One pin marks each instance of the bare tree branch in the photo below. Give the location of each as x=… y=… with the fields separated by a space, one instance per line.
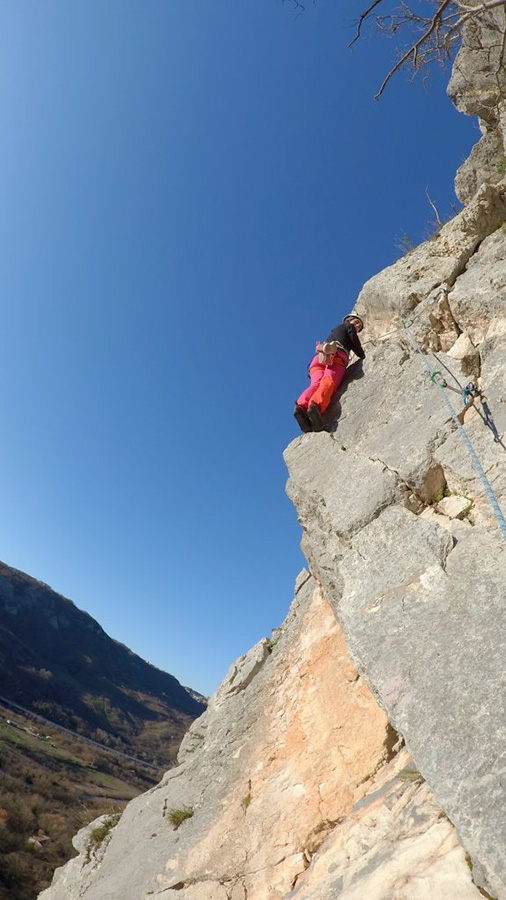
x=430 y=37
x=434 y=207
x=423 y=37
x=413 y=51
x=297 y=5
x=363 y=16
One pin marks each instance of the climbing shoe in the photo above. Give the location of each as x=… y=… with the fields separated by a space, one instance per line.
x=302 y=418
x=315 y=417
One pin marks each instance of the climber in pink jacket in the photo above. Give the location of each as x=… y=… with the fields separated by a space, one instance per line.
x=327 y=374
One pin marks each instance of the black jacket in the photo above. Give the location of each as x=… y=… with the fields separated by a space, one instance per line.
x=348 y=338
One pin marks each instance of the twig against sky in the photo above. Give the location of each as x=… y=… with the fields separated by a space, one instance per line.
x=434 y=207
x=363 y=17
x=297 y=5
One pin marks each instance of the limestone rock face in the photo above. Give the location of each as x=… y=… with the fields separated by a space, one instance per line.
x=396 y=843
x=478 y=87
x=416 y=572
x=422 y=278
x=337 y=756
x=292 y=755
x=478 y=82
x=485 y=163
x=263 y=796
x=417 y=579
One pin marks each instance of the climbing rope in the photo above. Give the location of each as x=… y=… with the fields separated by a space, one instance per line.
x=438 y=380
x=470 y=393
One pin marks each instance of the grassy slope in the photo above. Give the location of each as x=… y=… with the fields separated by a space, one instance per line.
x=57 y=662
x=49 y=788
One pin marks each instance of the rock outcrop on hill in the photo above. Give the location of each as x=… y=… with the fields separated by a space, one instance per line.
x=315 y=776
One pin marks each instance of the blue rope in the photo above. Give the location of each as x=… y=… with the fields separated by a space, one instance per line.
x=470 y=449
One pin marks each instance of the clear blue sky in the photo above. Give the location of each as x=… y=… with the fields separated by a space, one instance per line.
x=191 y=193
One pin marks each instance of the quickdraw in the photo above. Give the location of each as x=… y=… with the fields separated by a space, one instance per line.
x=469 y=393
x=440 y=382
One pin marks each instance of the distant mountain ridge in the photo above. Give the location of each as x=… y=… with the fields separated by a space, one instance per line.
x=57 y=661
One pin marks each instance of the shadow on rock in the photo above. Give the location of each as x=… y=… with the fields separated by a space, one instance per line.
x=333 y=414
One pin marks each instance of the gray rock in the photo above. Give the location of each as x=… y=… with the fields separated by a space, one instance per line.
x=380 y=855
x=484 y=165
x=299 y=757
x=478 y=297
x=416 y=281
x=423 y=619
x=478 y=82
x=455 y=507
x=424 y=609
x=243 y=670
x=145 y=855
x=421 y=598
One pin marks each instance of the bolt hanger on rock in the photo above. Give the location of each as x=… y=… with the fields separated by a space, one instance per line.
x=436 y=377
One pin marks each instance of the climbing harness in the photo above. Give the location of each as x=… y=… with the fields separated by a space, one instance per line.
x=440 y=383
x=328 y=353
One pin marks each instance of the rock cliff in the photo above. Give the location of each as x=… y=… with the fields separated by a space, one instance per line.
x=313 y=775
x=293 y=754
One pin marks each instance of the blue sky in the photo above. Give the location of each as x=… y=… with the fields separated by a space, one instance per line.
x=191 y=193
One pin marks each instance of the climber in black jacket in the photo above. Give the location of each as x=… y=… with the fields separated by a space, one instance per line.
x=326 y=371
